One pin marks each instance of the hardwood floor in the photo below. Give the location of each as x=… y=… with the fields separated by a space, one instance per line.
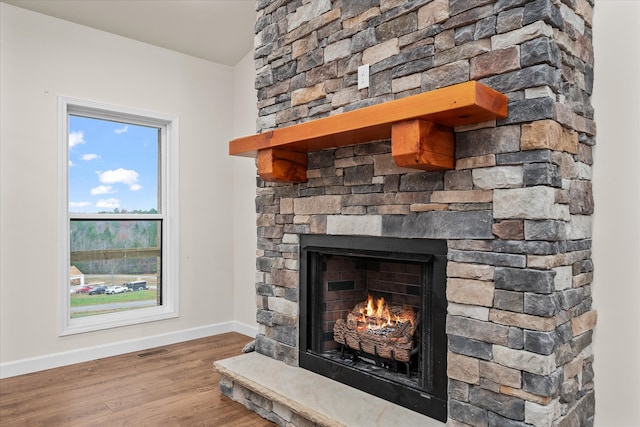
x=170 y=386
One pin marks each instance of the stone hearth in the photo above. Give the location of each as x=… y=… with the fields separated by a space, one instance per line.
x=282 y=393
x=515 y=212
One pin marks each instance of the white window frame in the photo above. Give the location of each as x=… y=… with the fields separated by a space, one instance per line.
x=167 y=211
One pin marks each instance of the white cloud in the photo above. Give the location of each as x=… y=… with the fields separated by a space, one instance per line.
x=135 y=187
x=121 y=130
x=108 y=203
x=123 y=176
x=102 y=189
x=76 y=138
x=92 y=156
x=79 y=204
x=71 y=163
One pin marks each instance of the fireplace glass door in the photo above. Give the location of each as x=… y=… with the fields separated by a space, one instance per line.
x=372 y=315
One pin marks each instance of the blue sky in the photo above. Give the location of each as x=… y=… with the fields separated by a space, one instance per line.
x=111 y=165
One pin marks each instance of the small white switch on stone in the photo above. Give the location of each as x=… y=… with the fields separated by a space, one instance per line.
x=363 y=76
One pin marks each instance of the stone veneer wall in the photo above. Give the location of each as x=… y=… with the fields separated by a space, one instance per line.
x=516 y=211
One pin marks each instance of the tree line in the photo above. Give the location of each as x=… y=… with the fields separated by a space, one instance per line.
x=105 y=235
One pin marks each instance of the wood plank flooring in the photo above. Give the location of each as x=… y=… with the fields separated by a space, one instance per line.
x=174 y=385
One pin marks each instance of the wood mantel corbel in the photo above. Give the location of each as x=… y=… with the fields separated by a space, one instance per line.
x=420 y=128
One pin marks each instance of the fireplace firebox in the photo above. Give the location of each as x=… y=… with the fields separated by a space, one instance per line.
x=372 y=315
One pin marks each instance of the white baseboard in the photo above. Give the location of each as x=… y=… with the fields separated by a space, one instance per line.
x=56 y=360
x=244 y=329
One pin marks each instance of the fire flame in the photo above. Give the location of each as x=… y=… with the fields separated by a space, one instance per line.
x=377 y=315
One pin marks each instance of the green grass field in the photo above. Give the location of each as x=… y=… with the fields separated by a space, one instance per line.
x=86 y=299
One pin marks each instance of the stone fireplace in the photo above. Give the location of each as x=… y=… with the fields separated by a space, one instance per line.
x=398 y=354
x=514 y=214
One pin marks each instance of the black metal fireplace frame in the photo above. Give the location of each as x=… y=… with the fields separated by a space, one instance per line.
x=432 y=254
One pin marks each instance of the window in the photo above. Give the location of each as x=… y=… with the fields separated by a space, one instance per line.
x=119 y=214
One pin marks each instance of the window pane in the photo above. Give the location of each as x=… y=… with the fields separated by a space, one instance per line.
x=121 y=201
x=113 y=166
x=115 y=266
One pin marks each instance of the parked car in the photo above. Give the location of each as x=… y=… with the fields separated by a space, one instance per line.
x=84 y=289
x=98 y=290
x=115 y=290
x=138 y=285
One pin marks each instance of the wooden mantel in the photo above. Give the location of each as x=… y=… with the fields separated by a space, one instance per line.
x=419 y=126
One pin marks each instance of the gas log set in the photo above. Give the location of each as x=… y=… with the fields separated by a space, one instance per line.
x=381 y=330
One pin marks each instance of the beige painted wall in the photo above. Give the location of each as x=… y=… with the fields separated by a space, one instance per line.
x=616 y=243
x=245 y=112
x=42 y=58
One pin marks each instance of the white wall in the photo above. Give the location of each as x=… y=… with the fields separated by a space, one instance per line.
x=245 y=112
x=43 y=57
x=616 y=243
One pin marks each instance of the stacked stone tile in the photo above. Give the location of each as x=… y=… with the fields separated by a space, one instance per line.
x=516 y=211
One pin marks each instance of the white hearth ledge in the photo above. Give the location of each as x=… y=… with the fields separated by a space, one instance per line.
x=317 y=398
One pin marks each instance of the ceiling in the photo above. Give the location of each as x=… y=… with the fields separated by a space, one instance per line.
x=217 y=30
